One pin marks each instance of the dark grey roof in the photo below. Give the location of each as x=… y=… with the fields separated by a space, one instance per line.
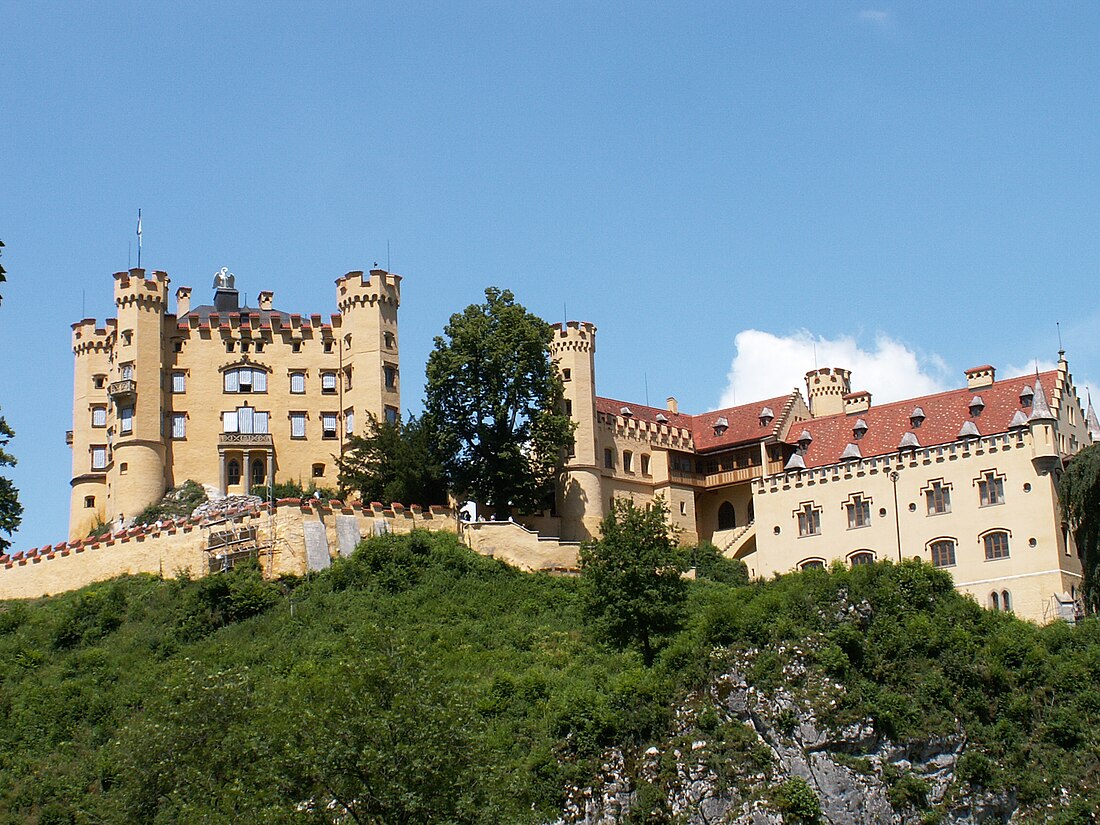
x=851 y=451
x=795 y=462
x=204 y=312
x=969 y=430
x=1040 y=409
x=908 y=440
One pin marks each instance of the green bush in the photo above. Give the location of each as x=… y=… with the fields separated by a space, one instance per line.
x=178 y=502
x=795 y=798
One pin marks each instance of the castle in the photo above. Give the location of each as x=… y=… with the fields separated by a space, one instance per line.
x=237 y=397
x=231 y=396
x=965 y=479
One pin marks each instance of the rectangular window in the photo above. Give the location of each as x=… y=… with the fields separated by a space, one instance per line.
x=328 y=383
x=99 y=458
x=127 y=372
x=628 y=462
x=347 y=378
x=991 y=490
x=568 y=407
x=297 y=382
x=943 y=553
x=996 y=545
x=126 y=420
x=391 y=415
x=938 y=498
x=859 y=512
x=809 y=521
x=608 y=459
x=179 y=425
x=179 y=382
x=328 y=425
x=391 y=377
x=245 y=419
x=229 y=422
x=231 y=383
x=244 y=380
x=349 y=421
x=297 y=425
x=645 y=465
x=99 y=416
x=259 y=381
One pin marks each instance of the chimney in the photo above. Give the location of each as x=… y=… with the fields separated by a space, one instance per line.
x=825 y=390
x=673 y=405
x=266 y=298
x=226 y=299
x=183 y=301
x=980 y=377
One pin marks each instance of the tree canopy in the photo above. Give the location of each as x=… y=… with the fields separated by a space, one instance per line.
x=11 y=511
x=496 y=398
x=630 y=578
x=394 y=462
x=1079 y=491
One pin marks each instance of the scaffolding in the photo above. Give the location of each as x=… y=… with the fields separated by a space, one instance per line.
x=228 y=543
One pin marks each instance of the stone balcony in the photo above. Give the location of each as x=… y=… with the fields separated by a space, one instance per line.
x=121 y=390
x=245 y=440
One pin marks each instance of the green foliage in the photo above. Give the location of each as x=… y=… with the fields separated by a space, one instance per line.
x=178 y=502
x=11 y=511
x=630 y=578
x=294 y=489
x=394 y=462
x=709 y=563
x=495 y=396
x=1079 y=492
x=794 y=798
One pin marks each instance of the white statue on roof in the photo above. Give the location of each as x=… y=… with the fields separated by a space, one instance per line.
x=224 y=279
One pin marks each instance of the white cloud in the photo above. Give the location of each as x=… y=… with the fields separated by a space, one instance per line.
x=767 y=365
x=876 y=16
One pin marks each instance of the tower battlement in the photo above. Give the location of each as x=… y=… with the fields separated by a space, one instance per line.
x=357 y=288
x=87 y=337
x=579 y=336
x=132 y=287
x=826 y=388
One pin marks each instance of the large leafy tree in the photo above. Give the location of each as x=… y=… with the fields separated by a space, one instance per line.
x=394 y=461
x=1079 y=491
x=11 y=511
x=630 y=579
x=496 y=397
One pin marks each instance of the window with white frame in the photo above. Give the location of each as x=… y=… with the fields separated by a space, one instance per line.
x=859 y=511
x=809 y=520
x=991 y=489
x=127 y=372
x=297 y=383
x=861 y=557
x=328 y=425
x=297 y=425
x=99 y=457
x=349 y=421
x=328 y=383
x=245 y=379
x=937 y=497
x=179 y=425
x=179 y=382
x=996 y=545
x=126 y=420
x=245 y=420
x=943 y=552
x=99 y=416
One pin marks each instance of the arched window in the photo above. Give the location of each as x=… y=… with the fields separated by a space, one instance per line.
x=727 y=516
x=996 y=545
x=233 y=471
x=943 y=553
x=1006 y=600
x=258 y=472
x=861 y=557
x=812 y=564
x=995 y=600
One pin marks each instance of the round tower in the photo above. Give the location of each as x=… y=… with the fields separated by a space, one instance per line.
x=88 y=437
x=579 y=496
x=136 y=469
x=369 y=355
x=825 y=390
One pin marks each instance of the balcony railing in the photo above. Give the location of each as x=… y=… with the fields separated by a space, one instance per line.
x=245 y=440
x=723 y=478
x=122 y=389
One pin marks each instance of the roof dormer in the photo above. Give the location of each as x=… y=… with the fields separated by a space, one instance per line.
x=976 y=406
x=860 y=429
x=721 y=425
x=626 y=412
x=766 y=416
x=805 y=440
x=1026 y=396
x=916 y=418
x=851 y=453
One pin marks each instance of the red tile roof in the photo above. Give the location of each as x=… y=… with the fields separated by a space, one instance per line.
x=945 y=413
x=609 y=406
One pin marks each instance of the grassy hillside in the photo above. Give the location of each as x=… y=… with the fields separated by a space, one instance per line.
x=417 y=682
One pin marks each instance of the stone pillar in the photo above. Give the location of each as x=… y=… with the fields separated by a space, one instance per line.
x=221 y=472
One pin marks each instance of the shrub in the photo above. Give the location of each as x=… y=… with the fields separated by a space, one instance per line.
x=795 y=798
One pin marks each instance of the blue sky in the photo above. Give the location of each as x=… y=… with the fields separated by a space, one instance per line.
x=913 y=185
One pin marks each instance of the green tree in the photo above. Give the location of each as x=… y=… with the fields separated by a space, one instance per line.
x=394 y=462
x=630 y=579
x=496 y=397
x=1079 y=491
x=11 y=511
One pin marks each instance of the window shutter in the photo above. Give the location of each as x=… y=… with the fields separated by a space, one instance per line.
x=178 y=382
x=349 y=422
x=179 y=425
x=244 y=419
x=259 y=422
x=231 y=384
x=297 y=382
x=328 y=381
x=259 y=381
x=298 y=425
x=229 y=422
x=99 y=417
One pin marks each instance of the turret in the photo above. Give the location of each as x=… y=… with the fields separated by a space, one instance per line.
x=573 y=348
x=88 y=437
x=1042 y=424
x=369 y=355
x=825 y=390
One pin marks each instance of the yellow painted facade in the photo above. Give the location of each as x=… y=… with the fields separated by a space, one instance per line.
x=738 y=477
x=226 y=395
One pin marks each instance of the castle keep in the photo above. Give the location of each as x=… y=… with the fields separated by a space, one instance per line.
x=230 y=396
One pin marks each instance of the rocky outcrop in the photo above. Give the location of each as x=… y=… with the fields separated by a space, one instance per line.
x=733 y=748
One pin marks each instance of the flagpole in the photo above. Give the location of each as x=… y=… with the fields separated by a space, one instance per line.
x=139 y=238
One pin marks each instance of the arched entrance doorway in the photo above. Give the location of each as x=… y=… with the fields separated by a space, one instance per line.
x=727 y=516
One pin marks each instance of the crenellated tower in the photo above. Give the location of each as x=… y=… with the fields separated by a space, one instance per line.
x=579 y=504
x=136 y=468
x=369 y=359
x=825 y=390
x=88 y=437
